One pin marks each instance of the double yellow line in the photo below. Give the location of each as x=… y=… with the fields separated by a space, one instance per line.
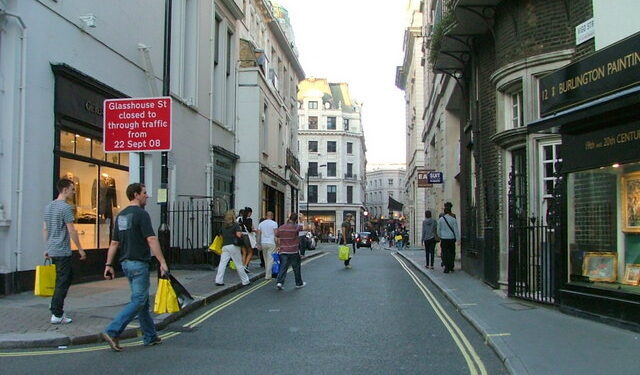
x=166 y=335
x=474 y=363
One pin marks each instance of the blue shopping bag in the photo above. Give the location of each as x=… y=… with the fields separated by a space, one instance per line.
x=275 y=269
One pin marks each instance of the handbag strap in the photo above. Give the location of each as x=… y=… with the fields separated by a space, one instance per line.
x=449 y=225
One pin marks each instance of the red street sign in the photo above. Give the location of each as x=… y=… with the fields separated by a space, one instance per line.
x=136 y=125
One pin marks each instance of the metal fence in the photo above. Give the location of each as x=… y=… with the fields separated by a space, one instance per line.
x=192 y=223
x=531 y=270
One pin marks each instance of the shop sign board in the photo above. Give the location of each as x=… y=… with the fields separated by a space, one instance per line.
x=605 y=146
x=423 y=181
x=137 y=124
x=585 y=31
x=434 y=177
x=609 y=70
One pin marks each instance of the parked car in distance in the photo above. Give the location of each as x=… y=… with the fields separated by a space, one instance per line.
x=363 y=239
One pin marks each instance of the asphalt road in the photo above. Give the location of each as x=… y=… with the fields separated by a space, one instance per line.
x=380 y=317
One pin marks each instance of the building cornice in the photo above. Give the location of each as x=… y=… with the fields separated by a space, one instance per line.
x=530 y=62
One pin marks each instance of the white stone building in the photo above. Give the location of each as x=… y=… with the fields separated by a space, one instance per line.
x=332 y=154
x=410 y=79
x=385 y=181
x=59 y=60
x=268 y=171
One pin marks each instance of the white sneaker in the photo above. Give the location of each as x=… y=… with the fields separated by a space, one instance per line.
x=301 y=286
x=279 y=286
x=61 y=320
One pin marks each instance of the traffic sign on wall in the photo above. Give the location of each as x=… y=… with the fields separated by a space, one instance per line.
x=137 y=125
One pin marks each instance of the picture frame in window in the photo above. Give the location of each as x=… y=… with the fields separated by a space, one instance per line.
x=630 y=193
x=600 y=266
x=631 y=274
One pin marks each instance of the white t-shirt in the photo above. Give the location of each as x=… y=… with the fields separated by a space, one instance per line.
x=267 y=231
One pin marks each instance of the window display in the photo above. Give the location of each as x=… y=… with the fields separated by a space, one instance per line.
x=100 y=189
x=604 y=227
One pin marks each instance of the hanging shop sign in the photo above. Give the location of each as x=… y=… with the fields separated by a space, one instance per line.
x=434 y=177
x=612 y=69
x=137 y=125
x=423 y=178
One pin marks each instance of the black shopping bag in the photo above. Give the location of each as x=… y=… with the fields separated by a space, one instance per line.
x=184 y=297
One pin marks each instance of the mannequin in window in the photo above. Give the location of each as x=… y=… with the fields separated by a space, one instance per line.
x=107 y=199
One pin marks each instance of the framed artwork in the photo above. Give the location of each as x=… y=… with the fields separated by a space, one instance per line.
x=630 y=193
x=600 y=266
x=632 y=274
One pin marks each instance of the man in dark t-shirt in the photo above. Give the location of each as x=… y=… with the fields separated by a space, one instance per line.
x=134 y=235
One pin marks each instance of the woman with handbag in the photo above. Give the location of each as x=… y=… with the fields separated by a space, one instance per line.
x=248 y=237
x=449 y=235
x=429 y=238
x=231 y=241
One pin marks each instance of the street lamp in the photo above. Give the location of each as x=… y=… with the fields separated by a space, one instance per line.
x=307 y=198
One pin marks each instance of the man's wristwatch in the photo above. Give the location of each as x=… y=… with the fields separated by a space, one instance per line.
x=108 y=265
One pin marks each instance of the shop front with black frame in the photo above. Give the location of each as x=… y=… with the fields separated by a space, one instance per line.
x=100 y=179
x=594 y=107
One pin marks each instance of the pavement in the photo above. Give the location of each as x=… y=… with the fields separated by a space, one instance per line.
x=532 y=338
x=529 y=338
x=24 y=318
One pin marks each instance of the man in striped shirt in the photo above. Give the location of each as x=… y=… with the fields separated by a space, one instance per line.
x=287 y=245
x=56 y=230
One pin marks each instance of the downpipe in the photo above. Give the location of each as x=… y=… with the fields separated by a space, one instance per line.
x=21 y=132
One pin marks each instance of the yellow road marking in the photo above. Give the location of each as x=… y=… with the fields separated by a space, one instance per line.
x=164 y=336
x=498 y=334
x=474 y=363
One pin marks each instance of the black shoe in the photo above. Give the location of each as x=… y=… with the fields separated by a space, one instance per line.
x=446 y=271
x=220 y=284
x=156 y=341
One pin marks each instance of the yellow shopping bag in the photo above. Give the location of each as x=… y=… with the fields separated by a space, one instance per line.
x=343 y=252
x=216 y=245
x=166 y=300
x=45 y=279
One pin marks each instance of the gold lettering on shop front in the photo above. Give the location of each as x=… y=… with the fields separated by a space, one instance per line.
x=609 y=141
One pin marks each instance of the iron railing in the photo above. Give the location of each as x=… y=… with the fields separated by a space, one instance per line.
x=193 y=223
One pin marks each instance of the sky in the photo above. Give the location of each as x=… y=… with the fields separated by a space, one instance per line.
x=358 y=42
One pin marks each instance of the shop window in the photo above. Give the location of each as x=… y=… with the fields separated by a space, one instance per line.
x=603 y=227
x=100 y=181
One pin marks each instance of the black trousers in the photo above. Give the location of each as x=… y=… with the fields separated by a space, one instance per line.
x=430 y=250
x=64 y=274
x=448 y=253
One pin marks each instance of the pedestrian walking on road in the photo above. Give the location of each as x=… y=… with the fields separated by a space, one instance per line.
x=347 y=237
x=449 y=234
x=57 y=231
x=267 y=242
x=136 y=241
x=231 y=235
x=287 y=245
x=429 y=238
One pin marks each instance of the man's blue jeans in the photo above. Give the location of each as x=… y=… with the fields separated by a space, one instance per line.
x=287 y=260
x=138 y=274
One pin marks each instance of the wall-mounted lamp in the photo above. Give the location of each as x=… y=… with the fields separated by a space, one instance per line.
x=89 y=20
